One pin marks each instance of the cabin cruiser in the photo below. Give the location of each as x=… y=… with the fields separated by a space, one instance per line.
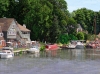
x=79 y=45
x=6 y=52
x=71 y=46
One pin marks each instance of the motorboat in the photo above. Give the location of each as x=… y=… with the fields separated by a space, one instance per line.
x=33 y=49
x=51 y=47
x=79 y=45
x=71 y=46
x=6 y=52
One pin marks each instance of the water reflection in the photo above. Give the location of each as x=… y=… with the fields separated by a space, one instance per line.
x=67 y=61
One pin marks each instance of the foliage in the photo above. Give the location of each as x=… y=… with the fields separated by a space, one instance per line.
x=72 y=37
x=4 y=4
x=80 y=36
x=48 y=19
x=72 y=26
x=90 y=37
x=63 y=38
x=42 y=48
x=85 y=17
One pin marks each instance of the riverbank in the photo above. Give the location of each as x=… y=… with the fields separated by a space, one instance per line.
x=20 y=51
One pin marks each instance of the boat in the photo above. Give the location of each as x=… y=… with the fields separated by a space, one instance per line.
x=71 y=46
x=33 y=49
x=51 y=47
x=79 y=45
x=6 y=52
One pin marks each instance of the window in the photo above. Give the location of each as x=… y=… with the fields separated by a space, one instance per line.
x=12 y=32
x=1 y=34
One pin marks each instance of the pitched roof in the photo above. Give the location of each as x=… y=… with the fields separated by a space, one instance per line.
x=22 y=28
x=79 y=26
x=5 y=23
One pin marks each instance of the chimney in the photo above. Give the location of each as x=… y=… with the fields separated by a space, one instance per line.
x=4 y=17
x=24 y=25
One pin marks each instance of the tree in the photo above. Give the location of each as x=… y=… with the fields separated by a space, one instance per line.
x=4 y=4
x=46 y=19
x=63 y=38
x=38 y=19
x=85 y=17
x=72 y=26
x=80 y=36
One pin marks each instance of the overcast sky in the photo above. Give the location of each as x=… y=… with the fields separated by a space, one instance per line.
x=89 y=4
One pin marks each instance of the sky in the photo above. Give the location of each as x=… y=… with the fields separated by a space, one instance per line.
x=77 y=4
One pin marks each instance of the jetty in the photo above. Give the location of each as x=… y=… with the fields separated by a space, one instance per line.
x=20 y=51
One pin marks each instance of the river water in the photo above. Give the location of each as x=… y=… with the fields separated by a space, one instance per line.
x=71 y=61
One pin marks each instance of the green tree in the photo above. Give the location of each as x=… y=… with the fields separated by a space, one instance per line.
x=71 y=26
x=85 y=17
x=73 y=37
x=63 y=38
x=4 y=4
x=38 y=19
x=80 y=36
x=46 y=19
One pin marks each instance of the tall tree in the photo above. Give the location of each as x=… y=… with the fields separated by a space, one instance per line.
x=4 y=4
x=85 y=18
x=46 y=18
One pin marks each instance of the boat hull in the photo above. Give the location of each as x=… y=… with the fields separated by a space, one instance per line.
x=33 y=50
x=52 y=47
x=5 y=55
x=80 y=47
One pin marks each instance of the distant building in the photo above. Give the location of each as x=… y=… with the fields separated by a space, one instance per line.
x=79 y=29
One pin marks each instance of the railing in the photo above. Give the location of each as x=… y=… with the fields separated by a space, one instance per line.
x=18 y=37
x=20 y=32
x=23 y=35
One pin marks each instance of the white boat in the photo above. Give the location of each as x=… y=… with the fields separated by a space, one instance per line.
x=6 y=52
x=33 y=49
x=79 y=45
x=71 y=46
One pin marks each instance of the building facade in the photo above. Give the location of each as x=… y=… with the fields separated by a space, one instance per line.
x=12 y=31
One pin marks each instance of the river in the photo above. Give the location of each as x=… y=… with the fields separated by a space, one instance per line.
x=72 y=61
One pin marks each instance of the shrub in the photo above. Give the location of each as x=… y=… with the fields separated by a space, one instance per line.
x=63 y=38
x=80 y=36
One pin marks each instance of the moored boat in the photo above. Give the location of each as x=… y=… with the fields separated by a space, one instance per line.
x=33 y=49
x=79 y=45
x=51 y=47
x=6 y=52
x=71 y=46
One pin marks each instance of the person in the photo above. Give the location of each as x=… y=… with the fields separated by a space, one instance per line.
x=16 y=45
